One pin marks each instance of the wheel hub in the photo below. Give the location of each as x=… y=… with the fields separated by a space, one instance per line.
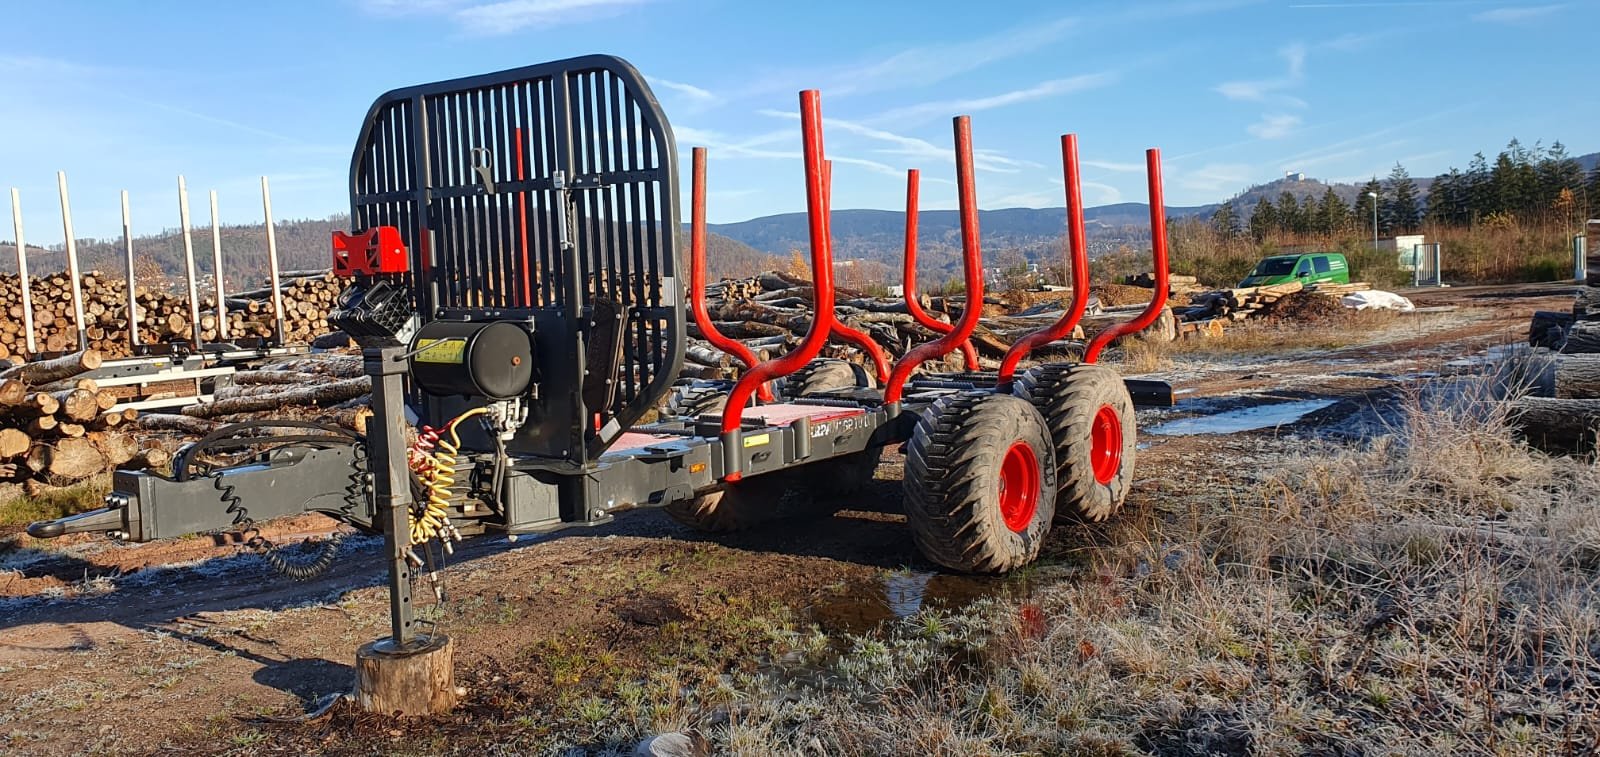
x=1019 y=486
x=1105 y=445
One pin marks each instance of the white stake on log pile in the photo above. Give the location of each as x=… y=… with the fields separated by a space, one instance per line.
x=272 y=263
x=188 y=260
x=22 y=271
x=72 y=263
x=216 y=266
x=127 y=252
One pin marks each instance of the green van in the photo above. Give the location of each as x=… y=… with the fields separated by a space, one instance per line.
x=1306 y=268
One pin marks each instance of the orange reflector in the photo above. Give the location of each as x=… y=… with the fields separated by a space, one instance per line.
x=697 y=467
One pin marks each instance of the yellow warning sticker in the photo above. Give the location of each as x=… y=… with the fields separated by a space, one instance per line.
x=441 y=350
x=757 y=440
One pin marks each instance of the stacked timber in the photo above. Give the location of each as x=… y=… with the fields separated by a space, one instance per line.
x=162 y=317
x=1212 y=309
x=57 y=429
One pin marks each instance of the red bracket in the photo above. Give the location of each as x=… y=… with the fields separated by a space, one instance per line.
x=880 y=363
x=374 y=251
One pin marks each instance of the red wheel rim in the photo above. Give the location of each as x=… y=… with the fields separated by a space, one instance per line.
x=1019 y=486
x=1105 y=444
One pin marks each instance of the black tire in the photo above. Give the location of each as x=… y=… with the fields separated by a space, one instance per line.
x=842 y=476
x=959 y=457
x=827 y=375
x=695 y=400
x=1078 y=402
x=735 y=506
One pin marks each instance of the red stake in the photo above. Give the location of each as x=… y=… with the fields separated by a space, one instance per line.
x=522 y=220
x=880 y=363
x=912 y=305
x=1158 y=250
x=1078 y=256
x=971 y=269
x=822 y=275
x=697 y=274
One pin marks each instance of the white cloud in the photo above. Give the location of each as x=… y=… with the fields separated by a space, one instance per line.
x=1109 y=195
x=1105 y=165
x=983 y=160
x=1274 y=126
x=688 y=90
x=1294 y=56
x=1051 y=88
x=504 y=16
x=1213 y=178
x=1516 y=14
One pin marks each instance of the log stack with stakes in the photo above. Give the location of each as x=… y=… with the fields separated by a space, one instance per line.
x=163 y=317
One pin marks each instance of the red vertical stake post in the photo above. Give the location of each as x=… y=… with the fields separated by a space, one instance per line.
x=1158 y=251
x=971 y=268
x=1078 y=256
x=822 y=278
x=522 y=222
x=880 y=363
x=697 y=274
x=913 y=306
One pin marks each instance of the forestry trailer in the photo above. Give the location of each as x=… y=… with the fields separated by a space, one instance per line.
x=516 y=288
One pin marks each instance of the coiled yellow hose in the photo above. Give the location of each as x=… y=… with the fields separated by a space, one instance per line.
x=437 y=478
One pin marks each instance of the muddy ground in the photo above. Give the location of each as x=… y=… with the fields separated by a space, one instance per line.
x=194 y=644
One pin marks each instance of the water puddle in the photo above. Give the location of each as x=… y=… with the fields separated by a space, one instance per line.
x=1244 y=419
x=864 y=607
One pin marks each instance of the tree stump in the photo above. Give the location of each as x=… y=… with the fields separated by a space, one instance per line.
x=420 y=681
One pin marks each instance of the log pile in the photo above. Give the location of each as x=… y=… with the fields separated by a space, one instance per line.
x=163 y=317
x=1563 y=413
x=56 y=429
x=1217 y=307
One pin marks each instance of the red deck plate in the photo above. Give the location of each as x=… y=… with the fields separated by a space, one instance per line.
x=785 y=413
x=634 y=440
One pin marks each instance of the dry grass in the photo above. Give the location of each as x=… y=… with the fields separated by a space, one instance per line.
x=21 y=509
x=1433 y=593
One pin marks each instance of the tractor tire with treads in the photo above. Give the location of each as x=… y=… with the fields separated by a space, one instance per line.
x=826 y=375
x=736 y=506
x=694 y=400
x=1092 y=423
x=980 y=482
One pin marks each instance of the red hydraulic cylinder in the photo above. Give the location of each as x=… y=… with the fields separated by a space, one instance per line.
x=1078 y=253
x=822 y=279
x=1158 y=250
x=697 y=275
x=913 y=306
x=971 y=269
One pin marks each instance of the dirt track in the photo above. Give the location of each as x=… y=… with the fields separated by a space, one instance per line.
x=186 y=644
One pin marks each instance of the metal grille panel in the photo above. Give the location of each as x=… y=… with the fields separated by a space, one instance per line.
x=486 y=176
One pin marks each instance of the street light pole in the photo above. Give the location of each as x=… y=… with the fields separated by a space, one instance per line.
x=1374 y=196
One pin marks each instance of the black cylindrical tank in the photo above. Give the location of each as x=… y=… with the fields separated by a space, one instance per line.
x=493 y=359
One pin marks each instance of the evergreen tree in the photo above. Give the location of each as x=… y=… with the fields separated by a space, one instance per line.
x=1366 y=201
x=1225 y=221
x=1400 y=214
x=1263 y=220
x=1447 y=199
x=1515 y=181
x=1557 y=171
x=1288 y=213
x=1333 y=215
x=1593 y=191
x=1479 y=188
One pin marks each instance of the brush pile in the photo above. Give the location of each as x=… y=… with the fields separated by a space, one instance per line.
x=1260 y=302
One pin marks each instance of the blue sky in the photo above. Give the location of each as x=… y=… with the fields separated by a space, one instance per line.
x=1235 y=92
